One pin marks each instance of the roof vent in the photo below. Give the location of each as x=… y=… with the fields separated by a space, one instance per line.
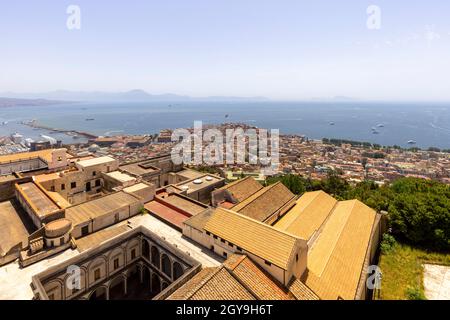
x=198 y=181
x=209 y=179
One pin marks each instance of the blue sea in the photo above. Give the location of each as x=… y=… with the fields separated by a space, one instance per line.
x=396 y=123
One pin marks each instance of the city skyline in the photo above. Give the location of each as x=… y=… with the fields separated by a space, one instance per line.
x=297 y=51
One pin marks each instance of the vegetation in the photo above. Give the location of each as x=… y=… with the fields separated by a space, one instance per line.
x=402 y=270
x=419 y=210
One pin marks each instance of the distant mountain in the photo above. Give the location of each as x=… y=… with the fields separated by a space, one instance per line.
x=128 y=96
x=12 y=102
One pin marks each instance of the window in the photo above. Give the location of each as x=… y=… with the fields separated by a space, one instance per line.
x=225 y=254
x=94 y=173
x=296 y=258
x=215 y=237
x=239 y=248
x=133 y=254
x=52 y=188
x=268 y=263
x=212 y=248
x=222 y=240
x=116 y=264
x=208 y=233
x=73 y=185
x=63 y=187
x=61 y=241
x=97 y=274
x=98 y=183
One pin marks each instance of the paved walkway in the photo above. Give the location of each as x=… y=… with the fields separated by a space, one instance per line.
x=174 y=237
x=15 y=283
x=436 y=280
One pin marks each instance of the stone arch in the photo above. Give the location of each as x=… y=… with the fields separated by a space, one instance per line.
x=101 y=293
x=130 y=246
x=117 y=287
x=56 y=286
x=117 y=253
x=166 y=265
x=177 y=270
x=100 y=262
x=156 y=284
x=156 y=257
x=146 y=277
x=145 y=249
x=83 y=285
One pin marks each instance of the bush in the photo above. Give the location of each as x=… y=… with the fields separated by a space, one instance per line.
x=388 y=243
x=415 y=294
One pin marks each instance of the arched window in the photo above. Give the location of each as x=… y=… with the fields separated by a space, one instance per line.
x=177 y=270
x=145 y=249
x=166 y=265
x=155 y=257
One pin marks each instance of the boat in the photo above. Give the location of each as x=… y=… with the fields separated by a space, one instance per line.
x=90 y=119
x=332 y=123
x=380 y=125
x=412 y=142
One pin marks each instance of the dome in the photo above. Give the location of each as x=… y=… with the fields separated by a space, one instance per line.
x=57 y=228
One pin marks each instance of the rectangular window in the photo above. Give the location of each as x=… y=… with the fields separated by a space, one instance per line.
x=63 y=187
x=222 y=240
x=208 y=233
x=97 y=183
x=94 y=173
x=52 y=188
x=116 y=264
x=97 y=274
x=73 y=185
x=225 y=254
x=296 y=258
x=215 y=237
x=133 y=254
x=268 y=263
x=239 y=248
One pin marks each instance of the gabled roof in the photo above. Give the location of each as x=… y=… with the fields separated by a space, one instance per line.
x=264 y=203
x=262 y=240
x=243 y=188
x=336 y=258
x=308 y=214
x=238 y=278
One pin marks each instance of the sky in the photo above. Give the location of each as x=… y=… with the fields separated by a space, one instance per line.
x=280 y=49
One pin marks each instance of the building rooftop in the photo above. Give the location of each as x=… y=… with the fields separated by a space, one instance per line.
x=308 y=214
x=242 y=189
x=262 y=240
x=97 y=238
x=189 y=174
x=186 y=204
x=170 y=215
x=121 y=177
x=41 y=203
x=45 y=155
x=12 y=229
x=95 y=162
x=201 y=182
x=96 y=208
x=237 y=279
x=140 y=168
x=264 y=203
x=336 y=258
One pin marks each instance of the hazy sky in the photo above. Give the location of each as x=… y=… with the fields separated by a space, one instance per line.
x=283 y=49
